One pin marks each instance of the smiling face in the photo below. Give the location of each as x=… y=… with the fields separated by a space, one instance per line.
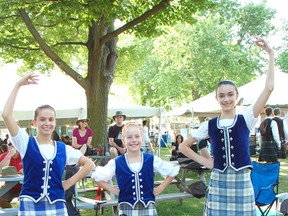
x=226 y=96
x=83 y=124
x=132 y=137
x=45 y=121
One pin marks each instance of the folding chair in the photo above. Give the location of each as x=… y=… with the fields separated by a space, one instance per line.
x=265 y=182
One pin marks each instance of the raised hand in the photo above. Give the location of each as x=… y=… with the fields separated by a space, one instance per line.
x=29 y=79
x=263 y=44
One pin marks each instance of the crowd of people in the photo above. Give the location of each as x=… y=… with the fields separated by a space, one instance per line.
x=224 y=144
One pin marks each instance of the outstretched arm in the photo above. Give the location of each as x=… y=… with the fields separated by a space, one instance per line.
x=269 y=85
x=7 y=113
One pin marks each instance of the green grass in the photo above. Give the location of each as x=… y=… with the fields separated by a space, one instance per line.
x=190 y=206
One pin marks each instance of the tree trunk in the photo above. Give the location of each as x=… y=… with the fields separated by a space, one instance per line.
x=101 y=68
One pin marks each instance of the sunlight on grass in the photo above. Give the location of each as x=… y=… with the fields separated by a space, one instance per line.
x=190 y=206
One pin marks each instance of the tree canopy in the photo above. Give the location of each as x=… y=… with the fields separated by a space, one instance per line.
x=188 y=60
x=80 y=38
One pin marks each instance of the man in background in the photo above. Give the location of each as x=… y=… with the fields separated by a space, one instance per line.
x=283 y=132
x=270 y=140
x=115 y=135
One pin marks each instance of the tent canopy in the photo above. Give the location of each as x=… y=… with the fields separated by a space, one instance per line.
x=69 y=116
x=65 y=96
x=248 y=94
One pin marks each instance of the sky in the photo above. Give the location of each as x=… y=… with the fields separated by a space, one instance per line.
x=281 y=14
x=62 y=91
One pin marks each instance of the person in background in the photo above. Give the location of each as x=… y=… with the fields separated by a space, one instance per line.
x=175 y=147
x=147 y=145
x=55 y=136
x=156 y=135
x=4 y=148
x=6 y=139
x=230 y=191
x=82 y=136
x=134 y=172
x=11 y=158
x=270 y=140
x=43 y=159
x=115 y=135
x=283 y=132
x=66 y=139
x=70 y=170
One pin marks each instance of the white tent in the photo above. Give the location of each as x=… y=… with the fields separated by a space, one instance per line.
x=248 y=94
x=65 y=95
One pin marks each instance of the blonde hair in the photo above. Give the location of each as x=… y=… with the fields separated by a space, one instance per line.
x=130 y=125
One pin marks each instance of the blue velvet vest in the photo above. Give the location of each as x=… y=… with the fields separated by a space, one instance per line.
x=42 y=177
x=230 y=145
x=135 y=186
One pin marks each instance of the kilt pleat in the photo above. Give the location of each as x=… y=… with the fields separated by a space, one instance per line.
x=43 y=207
x=138 y=210
x=230 y=194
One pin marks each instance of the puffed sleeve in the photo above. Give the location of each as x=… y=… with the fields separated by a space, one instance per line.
x=249 y=117
x=73 y=155
x=104 y=173
x=165 y=168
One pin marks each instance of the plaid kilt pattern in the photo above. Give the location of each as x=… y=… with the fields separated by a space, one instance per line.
x=230 y=194
x=139 y=210
x=43 y=207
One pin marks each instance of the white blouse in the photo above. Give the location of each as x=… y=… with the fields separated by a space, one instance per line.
x=202 y=131
x=105 y=173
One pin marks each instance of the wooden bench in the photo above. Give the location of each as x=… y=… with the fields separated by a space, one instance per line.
x=175 y=181
x=87 y=203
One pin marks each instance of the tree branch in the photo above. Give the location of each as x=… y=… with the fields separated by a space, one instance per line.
x=70 y=43
x=161 y=6
x=52 y=55
x=18 y=47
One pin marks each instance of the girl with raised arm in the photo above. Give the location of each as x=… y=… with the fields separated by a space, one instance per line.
x=43 y=159
x=230 y=188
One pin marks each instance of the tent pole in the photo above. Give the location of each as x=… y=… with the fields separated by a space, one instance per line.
x=160 y=134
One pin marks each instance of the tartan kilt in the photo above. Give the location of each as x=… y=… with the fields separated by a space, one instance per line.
x=43 y=208
x=268 y=151
x=139 y=210
x=230 y=193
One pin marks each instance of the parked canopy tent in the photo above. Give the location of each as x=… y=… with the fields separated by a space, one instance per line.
x=69 y=116
x=248 y=94
x=65 y=95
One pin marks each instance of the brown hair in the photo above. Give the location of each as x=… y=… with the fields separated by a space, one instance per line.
x=46 y=106
x=269 y=111
x=227 y=82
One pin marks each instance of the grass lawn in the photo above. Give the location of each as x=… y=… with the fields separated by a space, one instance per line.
x=190 y=206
